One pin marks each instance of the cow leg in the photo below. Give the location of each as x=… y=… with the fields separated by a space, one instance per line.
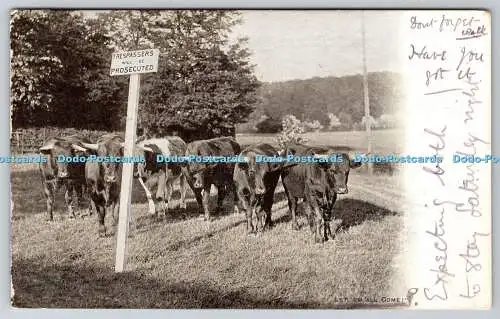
x=182 y=190
x=161 y=191
x=309 y=215
x=90 y=190
x=205 y=201
x=261 y=217
x=267 y=207
x=151 y=203
x=319 y=224
x=221 y=194
x=197 y=192
x=169 y=189
x=116 y=211
x=292 y=204
x=327 y=216
x=49 y=190
x=245 y=205
x=68 y=198
x=98 y=203
x=92 y=207
x=236 y=200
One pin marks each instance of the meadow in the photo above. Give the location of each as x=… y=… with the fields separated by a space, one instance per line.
x=180 y=261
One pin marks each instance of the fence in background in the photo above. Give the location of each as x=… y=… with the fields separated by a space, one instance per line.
x=28 y=141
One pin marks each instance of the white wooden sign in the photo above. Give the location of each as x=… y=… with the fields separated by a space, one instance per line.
x=133 y=63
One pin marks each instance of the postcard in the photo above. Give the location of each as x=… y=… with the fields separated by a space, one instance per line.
x=251 y=159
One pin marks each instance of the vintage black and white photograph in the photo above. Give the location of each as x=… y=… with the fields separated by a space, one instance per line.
x=249 y=159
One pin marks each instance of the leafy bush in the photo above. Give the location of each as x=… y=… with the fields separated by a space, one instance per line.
x=334 y=122
x=292 y=132
x=269 y=125
x=314 y=126
x=387 y=121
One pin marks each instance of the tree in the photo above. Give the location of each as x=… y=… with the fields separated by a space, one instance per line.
x=204 y=84
x=131 y=29
x=32 y=67
x=59 y=72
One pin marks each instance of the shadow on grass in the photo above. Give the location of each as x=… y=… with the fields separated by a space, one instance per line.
x=28 y=197
x=82 y=286
x=351 y=212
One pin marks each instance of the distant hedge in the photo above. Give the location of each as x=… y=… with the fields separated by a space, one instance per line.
x=28 y=140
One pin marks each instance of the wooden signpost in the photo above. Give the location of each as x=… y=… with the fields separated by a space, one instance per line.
x=131 y=63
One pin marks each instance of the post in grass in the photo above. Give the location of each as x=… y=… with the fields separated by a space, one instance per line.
x=131 y=63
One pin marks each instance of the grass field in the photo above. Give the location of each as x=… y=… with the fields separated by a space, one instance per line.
x=383 y=141
x=180 y=261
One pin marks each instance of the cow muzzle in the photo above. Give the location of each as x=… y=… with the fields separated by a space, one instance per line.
x=342 y=190
x=259 y=190
x=197 y=184
x=62 y=174
x=110 y=179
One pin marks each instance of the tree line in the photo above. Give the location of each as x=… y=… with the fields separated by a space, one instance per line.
x=329 y=103
x=204 y=87
x=60 y=71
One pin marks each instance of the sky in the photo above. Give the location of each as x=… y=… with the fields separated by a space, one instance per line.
x=289 y=45
x=301 y=44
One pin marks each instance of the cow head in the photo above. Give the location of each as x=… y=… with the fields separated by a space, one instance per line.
x=61 y=147
x=150 y=164
x=111 y=168
x=112 y=147
x=255 y=172
x=54 y=149
x=338 y=171
x=196 y=169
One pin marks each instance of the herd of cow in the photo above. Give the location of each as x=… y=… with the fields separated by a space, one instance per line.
x=252 y=183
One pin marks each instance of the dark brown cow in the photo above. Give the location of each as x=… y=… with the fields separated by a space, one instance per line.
x=104 y=176
x=156 y=171
x=201 y=176
x=58 y=172
x=255 y=185
x=317 y=183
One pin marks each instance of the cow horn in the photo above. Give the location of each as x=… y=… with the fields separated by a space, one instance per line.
x=46 y=148
x=146 y=148
x=78 y=148
x=321 y=156
x=90 y=146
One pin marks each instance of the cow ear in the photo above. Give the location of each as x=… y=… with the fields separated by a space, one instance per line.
x=323 y=160
x=212 y=165
x=353 y=164
x=274 y=167
x=90 y=146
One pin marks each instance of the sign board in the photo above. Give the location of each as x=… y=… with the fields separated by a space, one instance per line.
x=134 y=62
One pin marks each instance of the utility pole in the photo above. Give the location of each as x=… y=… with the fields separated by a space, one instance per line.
x=366 y=95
